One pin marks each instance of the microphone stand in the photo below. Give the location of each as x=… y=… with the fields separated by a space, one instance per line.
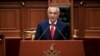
x=43 y=33
x=61 y=33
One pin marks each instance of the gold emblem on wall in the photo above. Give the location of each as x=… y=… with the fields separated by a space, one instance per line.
x=52 y=51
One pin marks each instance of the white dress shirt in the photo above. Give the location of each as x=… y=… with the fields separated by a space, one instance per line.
x=54 y=23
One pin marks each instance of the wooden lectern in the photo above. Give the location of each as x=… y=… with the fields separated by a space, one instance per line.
x=51 y=48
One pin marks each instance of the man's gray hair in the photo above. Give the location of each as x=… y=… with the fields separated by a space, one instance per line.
x=54 y=7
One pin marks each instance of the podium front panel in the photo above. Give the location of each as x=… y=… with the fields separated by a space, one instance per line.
x=42 y=47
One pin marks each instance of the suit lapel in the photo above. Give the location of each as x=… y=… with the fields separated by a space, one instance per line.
x=48 y=34
x=56 y=31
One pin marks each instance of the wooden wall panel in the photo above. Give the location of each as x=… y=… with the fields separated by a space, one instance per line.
x=10 y=19
x=34 y=13
x=34 y=16
x=92 y=18
x=59 y=2
x=92 y=21
x=16 y=17
x=64 y=1
x=75 y=17
x=88 y=18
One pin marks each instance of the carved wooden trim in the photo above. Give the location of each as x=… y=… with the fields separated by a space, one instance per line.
x=52 y=51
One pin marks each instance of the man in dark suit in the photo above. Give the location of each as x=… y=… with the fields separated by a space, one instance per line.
x=53 y=28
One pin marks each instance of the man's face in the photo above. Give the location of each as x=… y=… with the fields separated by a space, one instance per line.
x=53 y=14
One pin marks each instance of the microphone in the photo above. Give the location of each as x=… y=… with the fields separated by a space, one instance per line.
x=43 y=33
x=61 y=33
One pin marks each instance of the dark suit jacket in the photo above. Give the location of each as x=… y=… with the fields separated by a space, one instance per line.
x=43 y=31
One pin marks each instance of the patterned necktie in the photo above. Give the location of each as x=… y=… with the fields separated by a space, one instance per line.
x=52 y=30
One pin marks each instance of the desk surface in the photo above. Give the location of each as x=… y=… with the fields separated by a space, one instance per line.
x=37 y=47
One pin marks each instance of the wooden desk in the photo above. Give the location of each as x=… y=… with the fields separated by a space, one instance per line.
x=38 y=47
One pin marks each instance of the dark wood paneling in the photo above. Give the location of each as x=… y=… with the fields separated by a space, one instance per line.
x=12 y=47
x=2 y=45
x=88 y=18
x=34 y=16
x=16 y=17
x=63 y=1
x=92 y=24
x=92 y=21
x=10 y=21
x=91 y=46
x=59 y=2
x=34 y=13
x=75 y=17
